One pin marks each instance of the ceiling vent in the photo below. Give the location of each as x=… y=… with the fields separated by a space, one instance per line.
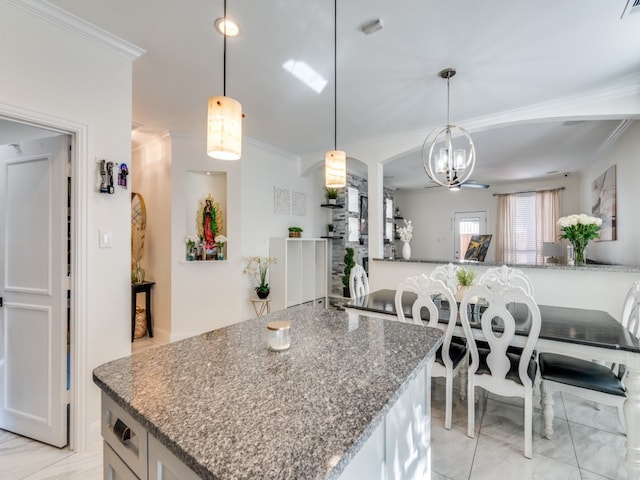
x=633 y=6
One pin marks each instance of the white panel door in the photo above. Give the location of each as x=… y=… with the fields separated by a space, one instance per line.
x=33 y=269
x=466 y=224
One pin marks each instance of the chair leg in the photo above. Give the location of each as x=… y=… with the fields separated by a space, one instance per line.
x=448 y=401
x=547 y=408
x=471 y=408
x=621 y=418
x=528 y=427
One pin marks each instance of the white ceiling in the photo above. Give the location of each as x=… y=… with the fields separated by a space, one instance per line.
x=509 y=55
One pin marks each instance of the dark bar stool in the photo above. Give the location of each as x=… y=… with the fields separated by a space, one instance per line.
x=144 y=287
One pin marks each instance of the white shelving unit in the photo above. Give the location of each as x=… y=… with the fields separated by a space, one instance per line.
x=300 y=274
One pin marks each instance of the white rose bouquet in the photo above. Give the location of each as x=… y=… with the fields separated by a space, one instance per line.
x=579 y=229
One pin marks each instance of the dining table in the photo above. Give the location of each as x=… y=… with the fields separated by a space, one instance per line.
x=578 y=332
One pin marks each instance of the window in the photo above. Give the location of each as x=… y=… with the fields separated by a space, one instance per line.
x=525 y=228
x=525 y=221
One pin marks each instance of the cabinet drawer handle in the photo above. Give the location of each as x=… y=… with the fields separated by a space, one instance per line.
x=121 y=430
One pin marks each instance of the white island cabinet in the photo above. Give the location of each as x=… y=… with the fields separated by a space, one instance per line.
x=350 y=399
x=300 y=273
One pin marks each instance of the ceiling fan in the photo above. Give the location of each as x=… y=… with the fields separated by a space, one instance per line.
x=467 y=184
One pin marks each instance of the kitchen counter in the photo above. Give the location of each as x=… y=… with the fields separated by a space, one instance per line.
x=227 y=407
x=589 y=267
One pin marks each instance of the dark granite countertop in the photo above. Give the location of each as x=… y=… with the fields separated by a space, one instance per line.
x=594 y=267
x=229 y=408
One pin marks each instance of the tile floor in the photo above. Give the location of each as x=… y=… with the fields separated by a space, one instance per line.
x=587 y=445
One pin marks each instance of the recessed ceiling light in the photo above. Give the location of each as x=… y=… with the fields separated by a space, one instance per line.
x=305 y=74
x=228 y=27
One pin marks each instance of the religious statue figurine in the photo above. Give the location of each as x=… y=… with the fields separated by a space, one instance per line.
x=209 y=226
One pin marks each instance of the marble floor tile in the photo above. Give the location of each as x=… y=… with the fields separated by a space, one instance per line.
x=21 y=457
x=452 y=451
x=587 y=475
x=584 y=412
x=6 y=436
x=496 y=459
x=599 y=452
x=78 y=466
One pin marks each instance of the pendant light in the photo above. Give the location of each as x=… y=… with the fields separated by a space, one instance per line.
x=335 y=161
x=451 y=154
x=224 y=121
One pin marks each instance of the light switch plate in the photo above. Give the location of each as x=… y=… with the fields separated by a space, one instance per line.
x=105 y=239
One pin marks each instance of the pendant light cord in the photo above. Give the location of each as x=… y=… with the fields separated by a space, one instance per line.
x=448 y=101
x=335 y=74
x=224 y=51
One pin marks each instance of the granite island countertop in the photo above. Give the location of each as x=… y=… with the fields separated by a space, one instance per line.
x=230 y=408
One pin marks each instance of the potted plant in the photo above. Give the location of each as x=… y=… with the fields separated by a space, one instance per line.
x=465 y=277
x=349 y=263
x=259 y=267
x=332 y=195
x=295 y=232
x=330 y=229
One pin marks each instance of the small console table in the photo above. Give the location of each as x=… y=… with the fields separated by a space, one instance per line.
x=261 y=306
x=144 y=287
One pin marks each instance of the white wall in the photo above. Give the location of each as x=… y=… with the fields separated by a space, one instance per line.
x=194 y=297
x=151 y=177
x=625 y=155
x=431 y=210
x=50 y=73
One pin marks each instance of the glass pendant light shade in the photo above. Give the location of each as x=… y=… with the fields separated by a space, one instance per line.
x=448 y=154
x=335 y=169
x=224 y=128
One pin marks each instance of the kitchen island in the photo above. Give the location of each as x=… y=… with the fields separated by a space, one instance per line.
x=349 y=399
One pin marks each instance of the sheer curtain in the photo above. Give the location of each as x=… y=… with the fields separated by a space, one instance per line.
x=547 y=215
x=505 y=223
x=545 y=224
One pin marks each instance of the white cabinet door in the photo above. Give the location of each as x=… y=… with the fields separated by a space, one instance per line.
x=164 y=465
x=33 y=270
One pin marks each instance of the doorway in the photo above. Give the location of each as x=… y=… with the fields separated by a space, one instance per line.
x=466 y=224
x=35 y=261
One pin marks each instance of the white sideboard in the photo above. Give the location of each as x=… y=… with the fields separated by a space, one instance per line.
x=300 y=274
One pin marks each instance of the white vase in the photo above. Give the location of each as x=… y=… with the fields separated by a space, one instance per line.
x=406 y=251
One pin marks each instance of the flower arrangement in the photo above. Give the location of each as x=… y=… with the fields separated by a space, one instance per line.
x=259 y=267
x=579 y=229
x=406 y=232
x=220 y=240
x=191 y=241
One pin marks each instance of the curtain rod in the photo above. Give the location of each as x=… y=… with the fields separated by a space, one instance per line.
x=529 y=191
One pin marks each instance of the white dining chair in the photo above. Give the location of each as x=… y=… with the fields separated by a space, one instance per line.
x=508 y=275
x=592 y=381
x=450 y=355
x=358 y=282
x=493 y=365
x=448 y=275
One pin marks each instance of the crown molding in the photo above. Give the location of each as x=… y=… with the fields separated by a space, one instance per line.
x=63 y=19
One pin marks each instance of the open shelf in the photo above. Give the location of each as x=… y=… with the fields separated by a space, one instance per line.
x=333 y=237
x=331 y=205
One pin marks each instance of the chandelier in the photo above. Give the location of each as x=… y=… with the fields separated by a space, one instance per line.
x=224 y=120
x=335 y=161
x=448 y=154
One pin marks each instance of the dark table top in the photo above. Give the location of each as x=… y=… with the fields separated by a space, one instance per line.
x=594 y=328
